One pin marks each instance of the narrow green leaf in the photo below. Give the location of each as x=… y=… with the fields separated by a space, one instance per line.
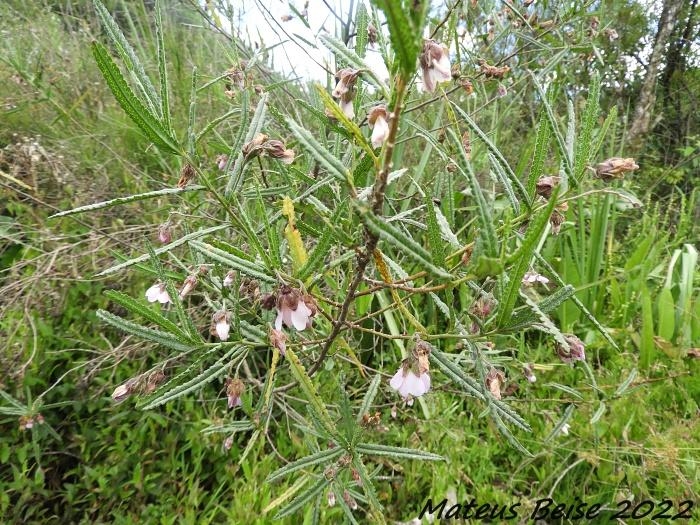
x=598 y=413
x=401 y=241
x=149 y=334
x=300 y=501
x=487 y=230
x=524 y=316
x=163 y=249
x=522 y=262
x=162 y=69
x=373 y=449
x=367 y=485
x=646 y=344
x=505 y=182
x=256 y=124
x=325 y=457
x=540 y=155
x=125 y=200
x=405 y=38
x=626 y=383
x=142 y=117
x=147 y=313
x=437 y=247
x=369 y=396
x=128 y=56
x=494 y=151
x=316 y=404
x=168 y=392
x=324 y=157
x=361 y=35
x=584 y=142
x=237 y=263
x=564 y=419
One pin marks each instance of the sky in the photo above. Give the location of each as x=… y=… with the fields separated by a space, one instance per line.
x=262 y=22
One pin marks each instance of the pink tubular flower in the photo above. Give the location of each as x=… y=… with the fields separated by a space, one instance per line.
x=228 y=280
x=407 y=383
x=157 y=292
x=294 y=309
x=435 y=63
x=532 y=278
x=221 y=161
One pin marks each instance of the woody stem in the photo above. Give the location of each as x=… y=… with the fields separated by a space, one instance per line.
x=371 y=240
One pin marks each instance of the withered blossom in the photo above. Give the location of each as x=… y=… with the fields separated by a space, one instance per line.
x=350 y=500
x=277 y=150
x=615 y=168
x=532 y=278
x=467 y=86
x=294 y=310
x=221 y=161
x=188 y=285
x=228 y=279
x=187 y=173
x=494 y=380
x=529 y=372
x=489 y=71
x=545 y=185
x=557 y=218
x=378 y=121
x=234 y=391
x=165 y=234
x=575 y=352
x=124 y=390
x=467 y=144
x=435 y=64
x=372 y=34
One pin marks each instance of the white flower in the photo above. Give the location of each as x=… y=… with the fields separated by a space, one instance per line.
x=157 y=292
x=298 y=318
x=564 y=429
x=228 y=280
x=377 y=119
x=294 y=309
x=348 y=108
x=531 y=278
x=220 y=325
x=407 y=383
x=435 y=63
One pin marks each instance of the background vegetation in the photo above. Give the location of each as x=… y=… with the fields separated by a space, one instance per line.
x=65 y=142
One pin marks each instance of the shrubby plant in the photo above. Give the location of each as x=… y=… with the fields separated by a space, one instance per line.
x=313 y=237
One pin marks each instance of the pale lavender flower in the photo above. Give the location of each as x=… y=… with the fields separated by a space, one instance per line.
x=157 y=292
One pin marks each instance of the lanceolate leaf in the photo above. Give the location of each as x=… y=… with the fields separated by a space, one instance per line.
x=522 y=262
x=237 y=263
x=324 y=157
x=324 y=457
x=149 y=334
x=256 y=124
x=128 y=56
x=494 y=151
x=163 y=249
x=147 y=313
x=487 y=231
x=402 y=242
x=168 y=392
x=373 y=449
x=125 y=200
x=162 y=69
x=316 y=404
x=133 y=107
x=405 y=38
x=300 y=501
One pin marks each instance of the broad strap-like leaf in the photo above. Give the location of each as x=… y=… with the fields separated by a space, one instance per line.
x=142 y=116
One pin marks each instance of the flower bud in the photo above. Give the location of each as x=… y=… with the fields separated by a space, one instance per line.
x=234 y=391
x=187 y=173
x=545 y=185
x=188 y=286
x=494 y=380
x=165 y=233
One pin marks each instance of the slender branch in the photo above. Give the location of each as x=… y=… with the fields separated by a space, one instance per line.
x=378 y=192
